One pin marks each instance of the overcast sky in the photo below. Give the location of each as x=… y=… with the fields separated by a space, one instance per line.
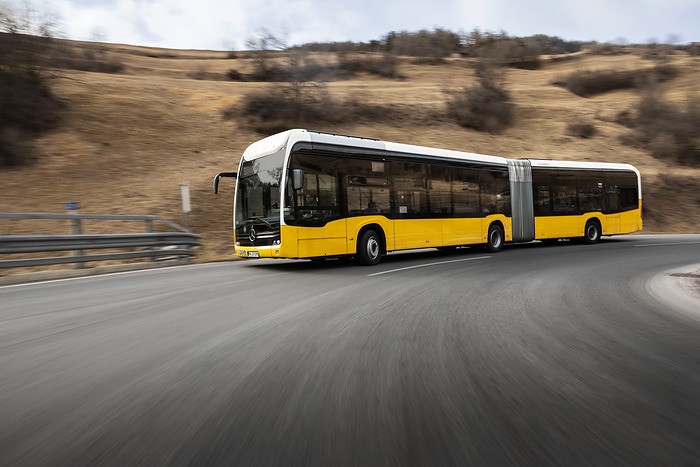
x=227 y=24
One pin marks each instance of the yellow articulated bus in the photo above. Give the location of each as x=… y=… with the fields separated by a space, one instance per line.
x=305 y=194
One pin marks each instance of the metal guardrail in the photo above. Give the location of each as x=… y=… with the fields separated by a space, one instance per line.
x=178 y=244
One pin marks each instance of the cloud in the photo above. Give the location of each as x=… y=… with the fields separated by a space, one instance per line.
x=174 y=24
x=219 y=24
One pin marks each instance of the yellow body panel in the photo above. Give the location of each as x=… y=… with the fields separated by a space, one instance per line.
x=462 y=231
x=339 y=237
x=630 y=221
x=355 y=224
x=506 y=222
x=558 y=227
x=417 y=233
x=573 y=226
x=329 y=240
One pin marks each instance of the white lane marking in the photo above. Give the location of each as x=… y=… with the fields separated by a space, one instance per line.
x=670 y=243
x=94 y=277
x=425 y=265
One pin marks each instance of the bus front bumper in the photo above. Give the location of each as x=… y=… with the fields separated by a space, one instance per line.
x=258 y=252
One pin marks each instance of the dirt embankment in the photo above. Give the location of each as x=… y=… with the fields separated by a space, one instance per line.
x=128 y=140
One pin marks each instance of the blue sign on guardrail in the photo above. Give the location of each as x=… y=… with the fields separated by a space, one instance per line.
x=71 y=206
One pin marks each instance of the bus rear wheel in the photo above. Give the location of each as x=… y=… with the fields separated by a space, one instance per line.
x=496 y=238
x=369 y=248
x=591 y=233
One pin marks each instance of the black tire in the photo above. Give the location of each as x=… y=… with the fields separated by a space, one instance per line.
x=592 y=232
x=495 y=239
x=369 y=248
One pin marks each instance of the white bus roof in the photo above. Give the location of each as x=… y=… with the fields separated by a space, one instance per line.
x=581 y=165
x=274 y=143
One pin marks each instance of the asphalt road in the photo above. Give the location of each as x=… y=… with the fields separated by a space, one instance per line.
x=547 y=355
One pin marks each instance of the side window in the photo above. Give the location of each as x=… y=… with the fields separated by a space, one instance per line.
x=629 y=196
x=544 y=201
x=411 y=197
x=317 y=202
x=611 y=197
x=319 y=191
x=621 y=193
x=465 y=193
x=439 y=188
x=542 y=191
x=368 y=195
x=495 y=191
x=367 y=187
x=564 y=197
x=590 y=192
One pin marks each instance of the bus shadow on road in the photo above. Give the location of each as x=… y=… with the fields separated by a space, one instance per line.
x=400 y=257
x=419 y=255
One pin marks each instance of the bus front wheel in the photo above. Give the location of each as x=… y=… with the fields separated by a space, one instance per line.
x=369 y=249
x=591 y=233
x=495 y=239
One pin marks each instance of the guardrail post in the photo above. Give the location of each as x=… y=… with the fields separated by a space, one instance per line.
x=185 y=195
x=149 y=229
x=77 y=229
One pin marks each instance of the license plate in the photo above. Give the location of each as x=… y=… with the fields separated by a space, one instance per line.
x=253 y=254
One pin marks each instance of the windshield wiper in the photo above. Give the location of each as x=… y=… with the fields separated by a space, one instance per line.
x=262 y=219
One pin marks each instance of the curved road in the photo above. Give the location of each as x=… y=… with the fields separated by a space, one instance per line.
x=548 y=355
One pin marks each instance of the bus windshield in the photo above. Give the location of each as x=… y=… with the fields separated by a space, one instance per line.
x=258 y=190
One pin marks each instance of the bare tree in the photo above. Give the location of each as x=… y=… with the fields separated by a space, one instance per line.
x=263 y=43
x=26 y=46
x=27 y=105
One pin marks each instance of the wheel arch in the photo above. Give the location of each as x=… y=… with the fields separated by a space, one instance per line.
x=377 y=228
x=592 y=236
x=594 y=218
x=500 y=224
x=495 y=243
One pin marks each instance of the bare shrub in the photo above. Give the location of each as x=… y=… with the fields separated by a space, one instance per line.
x=667 y=130
x=485 y=106
x=581 y=129
x=589 y=83
x=664 y=72
x=428 y=61
x=26 y=102
x=516 y=53
x=272 y=72
x=27 y=105
x=282 y=108
x=430 y=45
x=15 y=148
x=658 y=52
x=234 y=75
x=384 y=65
x=202 y=73
x=93 y=57
x=625 y=118
x=606 y=49
x=97 y=61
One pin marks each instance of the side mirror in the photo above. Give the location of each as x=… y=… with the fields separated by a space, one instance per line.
x=222 y=174
x=297 y=179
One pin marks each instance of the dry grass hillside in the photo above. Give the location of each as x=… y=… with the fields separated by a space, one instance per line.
x=126 y=141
